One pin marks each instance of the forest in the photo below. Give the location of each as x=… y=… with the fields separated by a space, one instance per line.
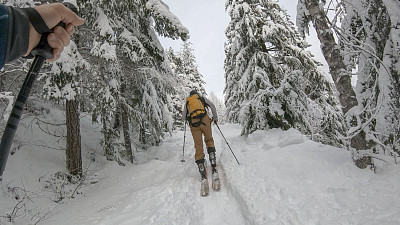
x=117 y=73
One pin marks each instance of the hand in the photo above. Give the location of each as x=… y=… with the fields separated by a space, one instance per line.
x=52 y=14
x=216 y=122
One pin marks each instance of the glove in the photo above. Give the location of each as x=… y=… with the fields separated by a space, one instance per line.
x=216 y=121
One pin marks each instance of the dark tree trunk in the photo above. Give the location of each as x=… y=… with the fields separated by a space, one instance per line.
x=342 y=80
x=127 y=136
x=73 y=152
x=142 y=135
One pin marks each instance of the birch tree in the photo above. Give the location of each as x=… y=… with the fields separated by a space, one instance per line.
x=365 y=47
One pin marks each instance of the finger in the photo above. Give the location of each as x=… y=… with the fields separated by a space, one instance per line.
x=56 y=55
x=69 y=17
x=55 y=42
x=70 y=29
x=62 y=34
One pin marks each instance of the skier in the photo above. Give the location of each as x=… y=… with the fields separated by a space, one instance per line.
x=15 y=41
x=194 y=110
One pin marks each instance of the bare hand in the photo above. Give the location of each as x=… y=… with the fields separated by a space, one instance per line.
x=52 y=14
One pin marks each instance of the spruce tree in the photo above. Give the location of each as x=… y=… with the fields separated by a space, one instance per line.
x=271 y=81
x=185 y=69
x=136 y=65
x=63 y=83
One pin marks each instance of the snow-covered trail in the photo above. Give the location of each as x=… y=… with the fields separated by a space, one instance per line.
x=283 y=179
x=160 y=191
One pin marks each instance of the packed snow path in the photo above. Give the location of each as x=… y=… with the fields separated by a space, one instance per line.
x=283 y=179
x=160 y=191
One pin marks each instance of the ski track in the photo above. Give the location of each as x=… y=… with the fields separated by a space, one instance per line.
x=162 y=191
x=218 y=207
x=258 y=199
x=261 y=190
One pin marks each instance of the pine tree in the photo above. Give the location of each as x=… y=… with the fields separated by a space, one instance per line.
x=271 y=81
x=97 y=43
x=135 y=76
x=63 y=83
x=219 y=105
x=188 y=71
x=188 y=77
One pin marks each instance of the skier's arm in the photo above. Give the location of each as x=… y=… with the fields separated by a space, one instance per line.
x=3 y=33
x=213 y=109
x=15 y=41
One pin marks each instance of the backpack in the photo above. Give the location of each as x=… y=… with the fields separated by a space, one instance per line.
x=195 y=106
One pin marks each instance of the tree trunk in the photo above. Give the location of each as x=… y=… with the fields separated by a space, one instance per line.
x=73 y=152
x=142 y=135
x=342 y=80
x=125 y=128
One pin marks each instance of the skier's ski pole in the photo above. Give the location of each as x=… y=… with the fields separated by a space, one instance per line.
x=42 y=52
x=228 y=144
x=184 y=138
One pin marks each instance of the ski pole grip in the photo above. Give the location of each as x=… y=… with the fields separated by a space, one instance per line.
x=43 y=49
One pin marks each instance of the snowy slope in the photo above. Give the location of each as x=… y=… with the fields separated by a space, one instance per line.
x=284 y=178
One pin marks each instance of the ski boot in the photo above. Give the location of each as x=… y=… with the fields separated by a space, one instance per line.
x=216 y=185
x=204 y=181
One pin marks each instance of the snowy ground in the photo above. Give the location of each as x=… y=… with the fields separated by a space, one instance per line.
x=284 y=178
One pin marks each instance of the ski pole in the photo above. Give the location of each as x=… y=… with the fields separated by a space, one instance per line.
x=42 y=52
x=184 y=138
x=228 y=144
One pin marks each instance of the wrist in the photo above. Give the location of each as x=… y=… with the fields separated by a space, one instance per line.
x=34 y=38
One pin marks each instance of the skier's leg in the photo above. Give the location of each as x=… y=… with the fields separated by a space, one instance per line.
x=206 y=129
x=212 y=157
x=202 y=168
x=198 y=142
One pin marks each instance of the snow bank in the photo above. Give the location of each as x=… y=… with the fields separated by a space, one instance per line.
x=283 y=178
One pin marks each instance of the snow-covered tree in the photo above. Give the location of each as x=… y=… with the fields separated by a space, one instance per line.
x=63 y=83
x=370 y=42
x=97 y=41
x=271 y=81
x=365 y=46
x=185 y=69
x=219 y=105
x=188 y=71
x=136 y=75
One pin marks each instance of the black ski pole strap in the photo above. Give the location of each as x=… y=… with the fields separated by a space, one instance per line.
x=41 y=27
x=37 y=21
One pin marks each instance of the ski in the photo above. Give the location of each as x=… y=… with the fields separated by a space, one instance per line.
x=204 y=187
x=216 y=185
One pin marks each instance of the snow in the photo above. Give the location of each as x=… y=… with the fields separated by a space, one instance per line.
x=9 y=98
x=103 y=24
x=283 y=178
